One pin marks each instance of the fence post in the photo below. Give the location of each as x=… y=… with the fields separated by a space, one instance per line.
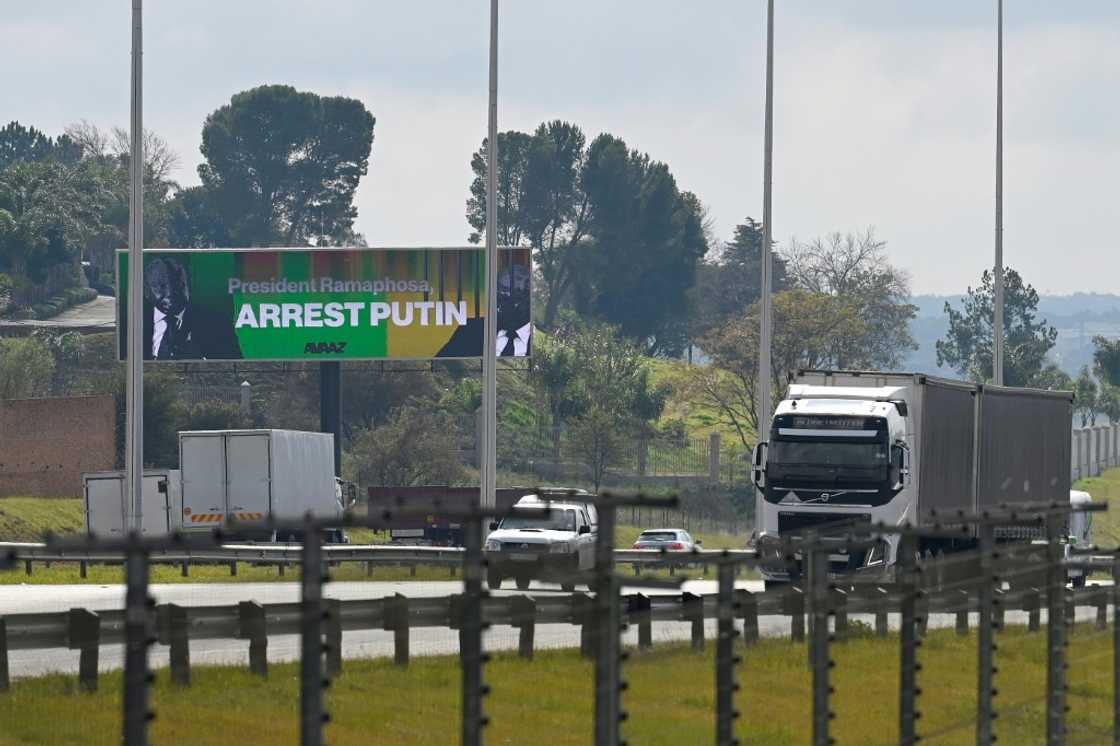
x=396 y=621
x=638 y=610
x=1116 y=648
x=692 y=610
x=174 y=631
x=643 y=456
x=608 y=625
x=332 y=615
x=985 y=635
x=713 y=458
x=747 y=605
x=726 y=659
x=252 y=627
x=138 y=637
x=582 y=615
x=5 y=681
x=524 y=612
x=246 y=403
x=1055 y=634
x=472 y=625
x=311 y=679
x=908 y=644
x=819 y=658
x=85 y=636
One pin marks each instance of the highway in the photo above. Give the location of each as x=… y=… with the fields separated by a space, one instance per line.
x=25 y=599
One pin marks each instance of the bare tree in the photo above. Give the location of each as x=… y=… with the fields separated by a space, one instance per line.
x=855 y=266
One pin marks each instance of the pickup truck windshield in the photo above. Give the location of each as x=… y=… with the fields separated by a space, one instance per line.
x=557 y=520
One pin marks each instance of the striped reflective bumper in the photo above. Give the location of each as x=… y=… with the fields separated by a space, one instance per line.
x=219 y=517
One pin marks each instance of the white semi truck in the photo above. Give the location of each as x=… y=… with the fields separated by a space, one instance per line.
x=867 y=447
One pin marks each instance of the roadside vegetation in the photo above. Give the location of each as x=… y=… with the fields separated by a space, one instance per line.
x=671 y=698
x=1104 y=489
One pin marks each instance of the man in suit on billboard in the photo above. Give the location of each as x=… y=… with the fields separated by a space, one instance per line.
x=515 y=328
x=174 y=327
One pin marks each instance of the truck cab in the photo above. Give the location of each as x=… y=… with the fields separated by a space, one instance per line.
x=836 y=455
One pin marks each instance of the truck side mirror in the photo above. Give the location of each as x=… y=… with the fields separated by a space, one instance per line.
x=901 y=463
x=493 y=525
x=585 y=529
x=758 y=462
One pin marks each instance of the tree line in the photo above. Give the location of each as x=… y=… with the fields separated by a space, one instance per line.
x=627 y=267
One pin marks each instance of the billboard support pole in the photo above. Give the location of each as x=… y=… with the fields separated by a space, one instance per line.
x=134 y=437
x=765 y=296
x=330 y=407
x=997 y=322
x=488 y=467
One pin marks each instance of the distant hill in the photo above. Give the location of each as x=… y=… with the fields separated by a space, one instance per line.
x=1078 y=318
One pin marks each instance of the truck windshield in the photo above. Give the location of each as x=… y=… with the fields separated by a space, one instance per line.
x=828 y=452
x=556 y=520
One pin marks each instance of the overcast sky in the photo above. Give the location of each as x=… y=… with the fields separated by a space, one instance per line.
x=885 y=109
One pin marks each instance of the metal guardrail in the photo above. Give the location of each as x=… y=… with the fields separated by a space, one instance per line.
x=290 y=554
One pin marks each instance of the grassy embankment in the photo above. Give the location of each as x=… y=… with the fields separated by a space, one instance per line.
x=671 y=699
x=29 y=519
x=1104 y=489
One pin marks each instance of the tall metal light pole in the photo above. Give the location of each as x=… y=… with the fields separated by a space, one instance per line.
x=997 y=322
x=767 y=222
x=488 y=467
x=134 y=437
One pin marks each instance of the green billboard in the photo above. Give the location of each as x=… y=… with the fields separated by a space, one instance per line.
x=325 y=303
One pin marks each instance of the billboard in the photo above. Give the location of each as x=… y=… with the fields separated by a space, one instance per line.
x=325 y=304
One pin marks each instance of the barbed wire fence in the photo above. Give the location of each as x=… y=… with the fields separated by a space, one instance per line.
x=987 y=581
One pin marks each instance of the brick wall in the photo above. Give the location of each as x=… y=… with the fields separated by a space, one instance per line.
x=46 y=444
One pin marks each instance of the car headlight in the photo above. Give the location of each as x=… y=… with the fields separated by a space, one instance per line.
x=559 y=548
x=493 y=545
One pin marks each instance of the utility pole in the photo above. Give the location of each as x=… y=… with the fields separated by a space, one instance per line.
x=767 y=233
x=134 y=437
x=488 y=467
x=997 y=324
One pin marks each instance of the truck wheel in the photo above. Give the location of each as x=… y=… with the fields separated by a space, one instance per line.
x=567 y=587
x=1078 y=582
x=494 y=580
x=523 y=582
x=771 y=585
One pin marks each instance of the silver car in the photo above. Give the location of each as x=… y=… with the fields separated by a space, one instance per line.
x=667 y=539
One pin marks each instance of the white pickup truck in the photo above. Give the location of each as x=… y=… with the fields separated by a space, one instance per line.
x=548 y=547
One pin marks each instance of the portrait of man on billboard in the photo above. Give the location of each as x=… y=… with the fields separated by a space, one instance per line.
x=515 y=326
x=174 y=327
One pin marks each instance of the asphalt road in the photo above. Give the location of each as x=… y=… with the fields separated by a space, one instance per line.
x=356 y=644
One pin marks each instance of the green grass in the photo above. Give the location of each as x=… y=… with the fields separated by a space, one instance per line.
x=30 y=518
x=699 y=419
x=671 y=699
x=1104 y=489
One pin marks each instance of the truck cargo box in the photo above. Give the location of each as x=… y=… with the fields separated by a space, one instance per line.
x=251 y=475
x=108 y=513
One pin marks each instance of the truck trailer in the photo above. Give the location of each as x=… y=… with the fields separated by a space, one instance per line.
x=864 y=447
x=252 y=475
x=108 y=511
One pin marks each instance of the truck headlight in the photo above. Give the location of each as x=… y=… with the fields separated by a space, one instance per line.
x=493 y=545
x=559 y=549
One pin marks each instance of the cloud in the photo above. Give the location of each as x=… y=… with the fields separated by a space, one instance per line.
x=884 y=110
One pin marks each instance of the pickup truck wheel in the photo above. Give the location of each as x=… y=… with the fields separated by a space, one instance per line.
x=567 y=587
x=494 y=580
x=1078 y=582
x=523 y=582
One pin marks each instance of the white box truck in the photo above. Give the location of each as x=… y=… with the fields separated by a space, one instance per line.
x=251 y=475
x=865 y=447
x=108 y=512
